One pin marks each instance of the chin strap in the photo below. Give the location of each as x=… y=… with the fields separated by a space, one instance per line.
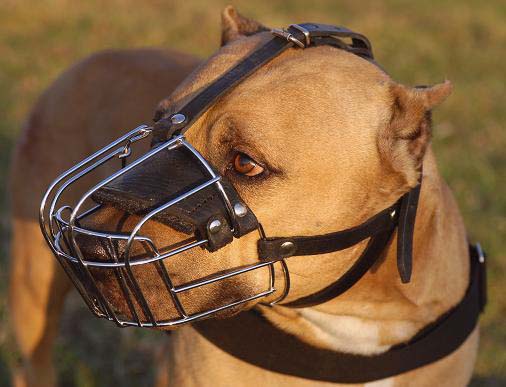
x=378 y=230
x=405 y=232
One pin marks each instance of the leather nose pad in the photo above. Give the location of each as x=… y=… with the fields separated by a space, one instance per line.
x=167 y=175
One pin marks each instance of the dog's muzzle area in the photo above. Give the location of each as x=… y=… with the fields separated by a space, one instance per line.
x=125 y=273
x=207 y=213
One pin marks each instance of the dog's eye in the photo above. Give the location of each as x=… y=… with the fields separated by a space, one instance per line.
x=245 y=165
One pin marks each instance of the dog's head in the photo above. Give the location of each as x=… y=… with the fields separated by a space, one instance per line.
x=317 y=140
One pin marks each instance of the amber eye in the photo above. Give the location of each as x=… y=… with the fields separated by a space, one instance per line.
x=245 y=165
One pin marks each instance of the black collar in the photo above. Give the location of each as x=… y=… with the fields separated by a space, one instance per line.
x=283 y=353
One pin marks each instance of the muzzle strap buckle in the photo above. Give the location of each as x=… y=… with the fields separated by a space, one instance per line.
x=288 y=36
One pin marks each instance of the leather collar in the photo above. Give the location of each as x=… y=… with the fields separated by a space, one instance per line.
x=278 y=351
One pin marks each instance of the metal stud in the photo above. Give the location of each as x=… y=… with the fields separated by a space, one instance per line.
x=481 y=253
x=287 y=249
x=214 y=226
x=178 y=118
x=392 y=214
x=240 y=209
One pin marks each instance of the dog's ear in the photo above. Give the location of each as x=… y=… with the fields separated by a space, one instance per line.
x=405 y=140
x=234 y=25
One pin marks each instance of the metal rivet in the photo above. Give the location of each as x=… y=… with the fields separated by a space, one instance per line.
x=392 y=214
x=178 y=118
x=480 y=252
x=240 y=210
x=214 y=226
x=287 y=248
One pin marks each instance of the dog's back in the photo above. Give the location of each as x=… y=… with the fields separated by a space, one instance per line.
x=92 y=103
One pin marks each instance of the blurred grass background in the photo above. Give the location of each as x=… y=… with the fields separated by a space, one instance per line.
x=418 y=42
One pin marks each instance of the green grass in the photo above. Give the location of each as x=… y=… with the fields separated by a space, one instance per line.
x=419 y=42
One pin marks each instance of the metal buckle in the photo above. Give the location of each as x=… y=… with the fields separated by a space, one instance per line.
x=305 y=31
x=288 y=36
x=286 y=275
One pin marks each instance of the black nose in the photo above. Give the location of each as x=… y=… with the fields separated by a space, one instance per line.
x=97 y=249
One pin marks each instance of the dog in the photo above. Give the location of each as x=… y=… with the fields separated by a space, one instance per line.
x=331 y=141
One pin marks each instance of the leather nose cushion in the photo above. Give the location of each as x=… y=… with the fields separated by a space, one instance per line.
x=160 y=179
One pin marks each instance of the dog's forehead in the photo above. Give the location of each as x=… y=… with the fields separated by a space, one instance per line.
x=312 y=81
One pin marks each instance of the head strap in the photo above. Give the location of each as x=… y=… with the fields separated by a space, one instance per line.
x=310 y=33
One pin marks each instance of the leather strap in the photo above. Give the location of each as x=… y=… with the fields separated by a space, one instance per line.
x=320 y=33
x=406 y=229
x=379 y=229
x=253 y=339
x=165 y=128
x=272 y=248
x=368 y=258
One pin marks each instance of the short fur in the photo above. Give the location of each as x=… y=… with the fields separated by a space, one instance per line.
x=342 y=141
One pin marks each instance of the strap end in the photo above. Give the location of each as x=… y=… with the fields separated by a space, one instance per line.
x=406 y=229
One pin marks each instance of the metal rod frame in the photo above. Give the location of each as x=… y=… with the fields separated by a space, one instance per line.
x=61 y=232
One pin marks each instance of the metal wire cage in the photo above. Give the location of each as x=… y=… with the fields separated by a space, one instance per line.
x=61 y=225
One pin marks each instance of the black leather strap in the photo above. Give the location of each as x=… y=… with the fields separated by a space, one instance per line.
x=272 y=248
x=406 y=229
x=194 y=109
x=372 y=253
x=379 y=228
x=253 y=339
x=165 y=128
x=360 y=45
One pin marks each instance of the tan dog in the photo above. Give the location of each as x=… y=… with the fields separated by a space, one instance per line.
x=335 y=141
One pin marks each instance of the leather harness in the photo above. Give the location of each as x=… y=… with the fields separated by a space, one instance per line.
x=282 y=352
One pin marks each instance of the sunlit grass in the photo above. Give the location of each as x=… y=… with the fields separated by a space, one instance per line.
x=417 y=42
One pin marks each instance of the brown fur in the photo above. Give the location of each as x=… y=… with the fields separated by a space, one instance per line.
x=342 y=141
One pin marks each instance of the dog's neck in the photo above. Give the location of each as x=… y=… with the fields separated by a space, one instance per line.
x=379 y=311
